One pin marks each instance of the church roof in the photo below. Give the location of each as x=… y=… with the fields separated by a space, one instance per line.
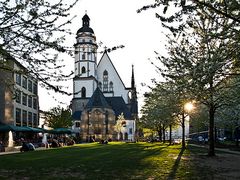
x=85 y=25
x=118 y=105
x=108 y=58
x=97 y=100
x=77 y=115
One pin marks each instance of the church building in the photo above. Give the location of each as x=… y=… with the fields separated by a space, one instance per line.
x=100 y=98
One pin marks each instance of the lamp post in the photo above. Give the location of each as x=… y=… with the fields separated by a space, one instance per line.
x=187 y=107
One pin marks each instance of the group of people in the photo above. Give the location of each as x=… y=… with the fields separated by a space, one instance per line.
x=59 y=142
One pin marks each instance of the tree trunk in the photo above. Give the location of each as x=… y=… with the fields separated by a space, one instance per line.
x=237 y=136
x=183 y=131
x=170 y=134
x=211 y=150
x=164 y=139
x=215 y=134
x=160 y=133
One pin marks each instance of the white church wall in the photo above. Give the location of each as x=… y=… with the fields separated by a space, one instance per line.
x=118 y=86
x=129 y=129
x=90 y=86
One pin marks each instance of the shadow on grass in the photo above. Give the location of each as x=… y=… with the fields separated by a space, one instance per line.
x=90 y=161
x=174 y=169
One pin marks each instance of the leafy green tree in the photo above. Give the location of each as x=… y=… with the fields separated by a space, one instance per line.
x=174 y=14
x=33 y=33
x=158 y=110
x=58 y=117
x=227 y=116
x=201 y=60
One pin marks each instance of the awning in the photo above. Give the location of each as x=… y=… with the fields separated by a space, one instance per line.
x=8 y=127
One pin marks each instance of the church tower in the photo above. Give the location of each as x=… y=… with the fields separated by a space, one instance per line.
x=85 y=80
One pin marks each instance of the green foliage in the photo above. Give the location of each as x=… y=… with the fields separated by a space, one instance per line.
x=59 y=118
x=175 y=14
x=33 y=33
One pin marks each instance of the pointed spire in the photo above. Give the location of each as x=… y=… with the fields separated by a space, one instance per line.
x=133 y=79
x=85 y=20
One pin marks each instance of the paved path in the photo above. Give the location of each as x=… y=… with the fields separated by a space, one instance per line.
x=217 y=149
x=18 y=151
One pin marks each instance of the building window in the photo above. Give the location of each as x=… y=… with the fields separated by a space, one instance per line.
x=77 y=124
x=100 y=85
x=130 y=131
x=105 y=81
x=30 y=118
x=18 y=96
x=24 y=82
x=24 y=99
x=34 y=103
x=30 y=86
x=18 y=79
x=83 y=70
x=83 y=56
x=24 y=117
x=83 y=92
x=35 y=121
x=18 y=117
x=29 y=101
x=111 y=86
x=35 y=89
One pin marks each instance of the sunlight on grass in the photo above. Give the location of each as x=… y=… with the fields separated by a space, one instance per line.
x=115 y=160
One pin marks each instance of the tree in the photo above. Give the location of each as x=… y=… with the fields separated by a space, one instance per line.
x=175 y=12
x=202 y=59
x=158 y=110
x=119 y=125
x=32 y=32
x=227 y=116
x=58 y=117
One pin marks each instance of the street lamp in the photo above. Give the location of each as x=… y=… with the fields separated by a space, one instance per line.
x=187 y=107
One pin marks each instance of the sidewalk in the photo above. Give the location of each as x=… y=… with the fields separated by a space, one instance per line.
x=217 y=149
x=17 y=150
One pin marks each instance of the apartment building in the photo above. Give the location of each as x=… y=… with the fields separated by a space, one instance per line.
x=18 y=94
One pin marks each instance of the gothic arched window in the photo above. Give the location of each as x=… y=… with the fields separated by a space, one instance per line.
x=105 y=81
x=83 y=92
x=111 y=86
x=83 y=70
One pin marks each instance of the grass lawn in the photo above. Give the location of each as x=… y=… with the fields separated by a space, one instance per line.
x=112 y=161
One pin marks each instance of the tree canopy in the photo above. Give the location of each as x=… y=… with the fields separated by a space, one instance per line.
x=33 y=33
x=59 y=117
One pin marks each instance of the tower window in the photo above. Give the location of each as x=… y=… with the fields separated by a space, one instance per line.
x=111 y=86
x=83 y=56
x=83 y=92
x=83 y=70
x=105 y=81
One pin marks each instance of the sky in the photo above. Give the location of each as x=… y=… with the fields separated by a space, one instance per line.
x=116 y=22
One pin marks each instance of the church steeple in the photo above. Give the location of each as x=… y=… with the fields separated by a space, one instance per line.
x=85 y=20
x=133 y=79
x=133 y=101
